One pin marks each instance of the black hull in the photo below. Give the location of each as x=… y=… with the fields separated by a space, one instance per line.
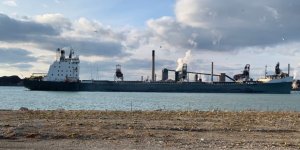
x=183 y=87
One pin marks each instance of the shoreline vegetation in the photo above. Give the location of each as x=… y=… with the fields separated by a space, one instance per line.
x=13 y=80
x=91 y=129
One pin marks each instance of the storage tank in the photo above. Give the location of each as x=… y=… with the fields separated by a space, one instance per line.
x=165 y=74
x=222 y=77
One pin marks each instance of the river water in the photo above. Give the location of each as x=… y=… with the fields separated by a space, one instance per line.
x=16 y=97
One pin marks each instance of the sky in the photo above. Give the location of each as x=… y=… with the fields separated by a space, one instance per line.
x=104 y=33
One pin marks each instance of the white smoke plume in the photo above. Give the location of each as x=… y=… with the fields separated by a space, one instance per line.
x=295 y=85
x=295 y=74
x=186 y=59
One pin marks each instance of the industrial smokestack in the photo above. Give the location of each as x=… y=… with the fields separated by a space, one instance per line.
x=212 y=71
x=176 y=76
x=289 y=70
x=153 y=65
x=184 y=73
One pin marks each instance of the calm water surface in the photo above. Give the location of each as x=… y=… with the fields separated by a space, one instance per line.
x=16 y=97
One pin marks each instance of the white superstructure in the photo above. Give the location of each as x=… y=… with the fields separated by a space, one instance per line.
x=64 y=69
x=276 y=80
x=278 y=77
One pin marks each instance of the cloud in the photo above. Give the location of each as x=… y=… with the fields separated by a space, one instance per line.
x=15 y=56
x=178 y=35
x=212 y=13
x=85 y=47
x=52 y=31
x=12 y=30
x=135 y=64
x=11 y=3
x=55 y=20
x=233 y=31
x=225 y=26
x=22 y=66
x=91 y=29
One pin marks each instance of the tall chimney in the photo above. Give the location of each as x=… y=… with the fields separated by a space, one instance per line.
x=212 y=71
x=288 y=69
x=153 y=65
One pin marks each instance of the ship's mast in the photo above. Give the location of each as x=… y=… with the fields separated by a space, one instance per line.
x=57 y=54
x=266 y=67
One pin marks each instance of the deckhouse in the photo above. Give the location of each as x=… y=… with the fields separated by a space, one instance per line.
x=64 y=68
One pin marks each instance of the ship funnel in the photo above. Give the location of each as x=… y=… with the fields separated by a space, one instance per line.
x=62 y=55
x=153 y=65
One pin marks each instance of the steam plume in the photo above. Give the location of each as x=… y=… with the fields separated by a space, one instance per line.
x=295 y=74
x=184 y=60
x=295 y=85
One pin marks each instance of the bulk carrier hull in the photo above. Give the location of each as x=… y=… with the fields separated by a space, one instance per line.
x=180 y=87
x=63 y=75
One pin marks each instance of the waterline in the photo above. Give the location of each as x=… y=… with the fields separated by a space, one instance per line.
x=16 y=97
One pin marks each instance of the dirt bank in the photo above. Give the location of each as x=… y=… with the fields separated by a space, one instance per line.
x=149 y=130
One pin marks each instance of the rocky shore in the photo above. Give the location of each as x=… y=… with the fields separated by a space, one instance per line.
x=61 y=129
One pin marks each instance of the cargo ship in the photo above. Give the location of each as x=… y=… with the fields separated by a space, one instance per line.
x=63 y=75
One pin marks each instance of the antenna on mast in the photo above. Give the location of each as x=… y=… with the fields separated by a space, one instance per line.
x=58 y=53
x=266 y=71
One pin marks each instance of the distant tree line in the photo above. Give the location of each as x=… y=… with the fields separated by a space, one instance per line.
x=11 y=81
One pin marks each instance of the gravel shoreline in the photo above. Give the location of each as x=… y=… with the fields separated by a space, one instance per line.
x=62 y=129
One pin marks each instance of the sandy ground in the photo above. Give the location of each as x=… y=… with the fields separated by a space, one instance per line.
x=149 y=130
